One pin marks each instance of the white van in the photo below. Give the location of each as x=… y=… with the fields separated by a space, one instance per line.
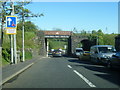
x=79 y=51
x=101 y=53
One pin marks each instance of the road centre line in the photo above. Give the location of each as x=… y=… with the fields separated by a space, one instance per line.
x=85 y=79
x=69 y=66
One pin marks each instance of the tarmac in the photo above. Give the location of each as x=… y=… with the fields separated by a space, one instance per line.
x=11 y=70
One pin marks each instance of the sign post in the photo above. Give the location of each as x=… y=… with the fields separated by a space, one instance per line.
x=11 y=25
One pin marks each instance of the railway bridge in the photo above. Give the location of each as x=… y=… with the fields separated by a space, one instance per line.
x=73 y=41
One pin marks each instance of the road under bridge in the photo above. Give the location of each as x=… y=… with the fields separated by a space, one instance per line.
x=73 y=41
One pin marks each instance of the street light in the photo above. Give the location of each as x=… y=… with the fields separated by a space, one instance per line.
x=23 y=34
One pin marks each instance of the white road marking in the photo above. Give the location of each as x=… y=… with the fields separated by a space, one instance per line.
x=69 y=66
x=85 y=79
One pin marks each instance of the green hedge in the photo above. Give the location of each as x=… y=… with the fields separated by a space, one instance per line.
x=28 y=55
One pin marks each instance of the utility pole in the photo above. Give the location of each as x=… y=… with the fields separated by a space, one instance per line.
x=14 y=36
x=1 y=47
x=11 y=39
x=23 y=29
x=1 y=31
x=15 y=51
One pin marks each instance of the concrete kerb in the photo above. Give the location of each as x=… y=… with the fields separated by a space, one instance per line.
x=20 y=71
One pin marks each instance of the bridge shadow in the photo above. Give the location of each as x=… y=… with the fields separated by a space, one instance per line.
x=111 y=75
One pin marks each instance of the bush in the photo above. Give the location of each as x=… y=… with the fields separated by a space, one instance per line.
x=6 y=54
x=28 y=55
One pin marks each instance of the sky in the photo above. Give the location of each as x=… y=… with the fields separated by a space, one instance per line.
x=86 y=16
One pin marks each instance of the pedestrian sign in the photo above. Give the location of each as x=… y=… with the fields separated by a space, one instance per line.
x=11 y=22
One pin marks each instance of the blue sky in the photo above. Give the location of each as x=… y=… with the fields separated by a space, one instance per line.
x=81 y=15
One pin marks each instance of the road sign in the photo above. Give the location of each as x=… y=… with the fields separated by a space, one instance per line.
x=11 y=31
x=11 y=22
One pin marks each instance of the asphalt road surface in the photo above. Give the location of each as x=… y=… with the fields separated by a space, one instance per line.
x=65 y=72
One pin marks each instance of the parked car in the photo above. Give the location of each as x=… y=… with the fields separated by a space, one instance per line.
x=114 y=61
x=100 y=54
x=78 y=52
x=85 y=55
x=57 y=53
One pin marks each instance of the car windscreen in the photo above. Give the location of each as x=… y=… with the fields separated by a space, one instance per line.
x=57 y=51
x=79 y=50
x=106 y=49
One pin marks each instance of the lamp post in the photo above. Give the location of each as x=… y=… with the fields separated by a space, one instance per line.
x=12 y=13
x=23 y=29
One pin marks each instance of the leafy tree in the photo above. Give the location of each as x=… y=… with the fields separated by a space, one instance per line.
x=29 y=26
x=83 y=32
x=19 y=11
x=57 y=29
x=94 y=32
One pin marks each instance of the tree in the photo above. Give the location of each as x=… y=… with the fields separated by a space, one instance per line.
x=19 y=11
x=29 y=26
x=94 y=32
x=57 y=29
x=6 y=9
x=75 y=30
x=83 y=32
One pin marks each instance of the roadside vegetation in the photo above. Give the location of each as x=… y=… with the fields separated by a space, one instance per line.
x=32 y=38
x=57 y=43
x=102 y=38
x=98 y=35
x=31 y=42
x=30 y=30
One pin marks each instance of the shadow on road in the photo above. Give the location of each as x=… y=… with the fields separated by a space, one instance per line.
x=110 y=75
x=79 y=61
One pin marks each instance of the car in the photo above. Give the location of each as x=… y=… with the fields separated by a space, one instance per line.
x=57 y=53
x=85 y=55
x=100 y=54
x=114 y=61
x=78 y=52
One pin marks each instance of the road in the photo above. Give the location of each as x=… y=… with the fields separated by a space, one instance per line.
x=65 y=72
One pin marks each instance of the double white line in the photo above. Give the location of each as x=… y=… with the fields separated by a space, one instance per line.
x=84 y=78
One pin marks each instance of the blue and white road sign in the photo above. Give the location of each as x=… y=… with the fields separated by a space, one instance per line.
x=11 y=22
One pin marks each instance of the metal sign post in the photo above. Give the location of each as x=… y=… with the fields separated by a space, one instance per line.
x=11 y=25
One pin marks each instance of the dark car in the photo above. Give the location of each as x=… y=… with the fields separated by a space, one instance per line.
x=57 y=53
x=114 y=61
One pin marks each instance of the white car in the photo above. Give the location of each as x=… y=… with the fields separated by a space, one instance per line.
x=78 y=52
x=100 y=54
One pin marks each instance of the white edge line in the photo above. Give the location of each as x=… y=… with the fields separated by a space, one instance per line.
x=5 y=80
x=85 y=79
x=69 y=66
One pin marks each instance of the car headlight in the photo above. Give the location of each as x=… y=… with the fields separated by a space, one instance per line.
x=103 y=56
